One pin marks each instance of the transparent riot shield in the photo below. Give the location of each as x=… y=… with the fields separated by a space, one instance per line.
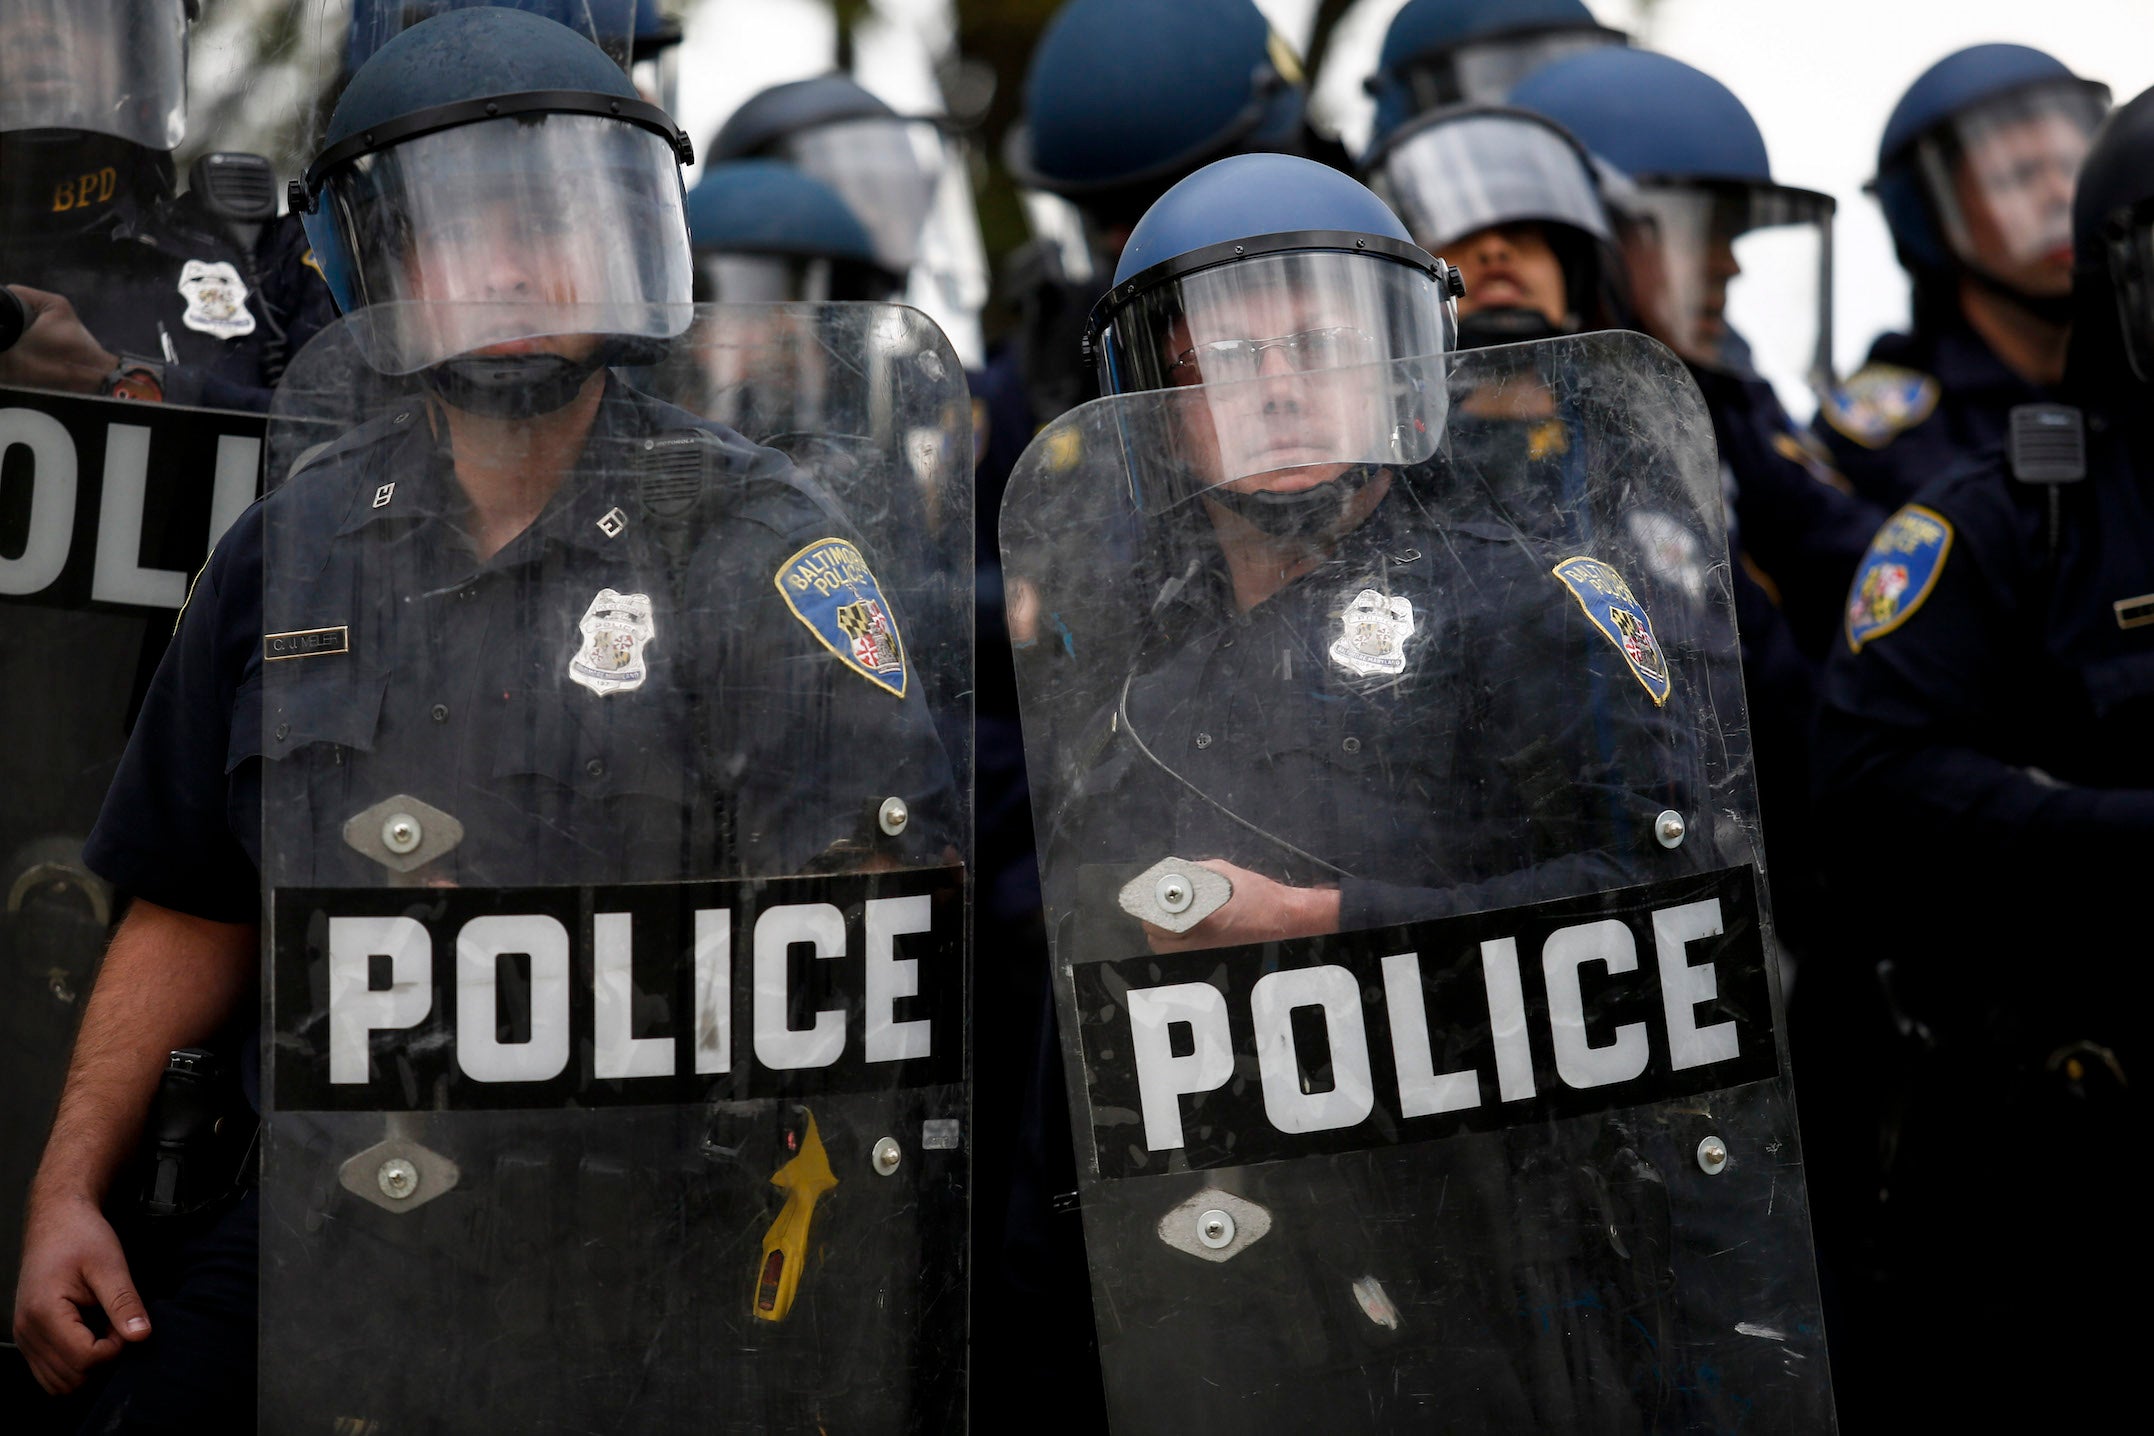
x=616 y=793
x=107 y=510
x=1415 y=974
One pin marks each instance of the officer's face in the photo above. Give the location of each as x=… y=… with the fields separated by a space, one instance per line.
x=2013 y=187
x=43 y=59
x=1510 y=267
x=1283 y=417
x=492 y=252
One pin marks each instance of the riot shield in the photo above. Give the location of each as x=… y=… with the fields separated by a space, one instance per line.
x=1402 y=864
x=615 y=1062
x=107 y=510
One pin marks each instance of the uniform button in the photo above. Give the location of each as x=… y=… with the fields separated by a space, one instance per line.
x=283 y=731
x=1351 y=745
x=440 y=712
x=596 y=767
x=1204 y=740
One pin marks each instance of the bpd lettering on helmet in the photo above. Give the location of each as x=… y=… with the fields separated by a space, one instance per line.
x=587 y=996
x=1496 y=1019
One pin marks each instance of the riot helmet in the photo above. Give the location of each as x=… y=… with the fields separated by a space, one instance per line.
x=493 y=194
x=93 y=99
x=1124 y=97
x=612 y=25
x=1441 y=52
x=1281 y=293
x=765 y=233
x=2113 y=242
x=1728 y=267
x=1975 y=172
x=1515 y=201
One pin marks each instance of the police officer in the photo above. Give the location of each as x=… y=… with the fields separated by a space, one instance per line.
x=1440 y=52
x=479 y=157
x=765 y=232
x=125 y=287
x=1975 y=177
x=1987 y=708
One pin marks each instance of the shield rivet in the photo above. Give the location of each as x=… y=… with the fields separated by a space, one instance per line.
x=1175 y=893
x=401 y=834
x=1215 y=1228
x=1669 y=828
x=893 y=816
x=887 y=1156
x=398 y=1179
x=1712 y=1156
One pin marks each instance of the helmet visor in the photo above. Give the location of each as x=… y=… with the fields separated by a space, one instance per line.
x=113 y=67
x=886 y=169
x=1738 y=278
x=1485 y=70
x=562 y=224
x=1999 y=177
x=786 y=279
x=1284 y=346
x=1455 y=177
x=2131 y=267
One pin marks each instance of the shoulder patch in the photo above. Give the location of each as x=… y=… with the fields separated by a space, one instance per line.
x=1879 y=402
x=1608 y=602
x=830 y=590
x=1897 y=573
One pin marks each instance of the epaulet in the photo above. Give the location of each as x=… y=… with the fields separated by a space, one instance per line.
x=1879 y=402
x=371 y=432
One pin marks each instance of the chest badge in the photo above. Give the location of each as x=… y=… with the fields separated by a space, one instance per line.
x=1616 y=612
x=1897 y=573
x=1375 y=630
x=216 y=300
x=609 y=651
x=1672 y=553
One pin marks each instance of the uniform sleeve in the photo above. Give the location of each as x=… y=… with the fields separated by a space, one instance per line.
x=166 y=831
x=1913 y=718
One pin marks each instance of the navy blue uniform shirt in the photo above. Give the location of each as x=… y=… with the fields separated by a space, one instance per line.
x=1921 y=405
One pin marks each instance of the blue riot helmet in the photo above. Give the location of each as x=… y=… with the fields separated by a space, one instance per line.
x=1441 y=52
x=764 y=232
x=1727 y=267
x=1474 y=182
x=655 y=31
x=1975 y=173
x=1124 y=97
x=93 y=99
x=612 y=25
x=1285 y=291
x=492 y=155
x=2113 y=241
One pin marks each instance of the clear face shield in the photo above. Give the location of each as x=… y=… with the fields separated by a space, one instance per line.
x=1737 y=278
x=1999 y=179
x=1282 y=369
x=1457 y=176
x=545 y=231
x=110 y=67
x=787 y=279
x=886 y=169
x=1485 y=70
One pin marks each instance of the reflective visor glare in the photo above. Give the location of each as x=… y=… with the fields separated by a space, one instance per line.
x=1455 y=178
x=2000 y=178
x=1735 y=278
x=563 y=224
x=1484 y=72
x=1284 y=349
x=115 y=67
x=885 y=169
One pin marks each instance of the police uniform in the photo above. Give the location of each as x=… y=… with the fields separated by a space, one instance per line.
x=1984 y=730
x=1918 y=407
x=168 y=284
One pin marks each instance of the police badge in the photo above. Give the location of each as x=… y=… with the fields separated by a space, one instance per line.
x=609 y=653
x=1376 y=632
x=216 y=300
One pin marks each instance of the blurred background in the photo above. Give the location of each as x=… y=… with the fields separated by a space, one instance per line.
x=1820 y=77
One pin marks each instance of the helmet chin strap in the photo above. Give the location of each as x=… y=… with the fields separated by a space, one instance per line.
x=2049 y=308
x=511 y=386
x=1310 y=514
x=1509 y=324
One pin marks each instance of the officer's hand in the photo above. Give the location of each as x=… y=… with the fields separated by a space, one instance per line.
x=1260 y=910
x=72 y=1267
x=55 y=351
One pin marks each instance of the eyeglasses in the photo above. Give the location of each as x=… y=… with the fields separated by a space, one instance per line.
x=1228 y=360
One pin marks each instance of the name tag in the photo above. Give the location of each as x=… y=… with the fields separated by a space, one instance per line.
x=307 y=643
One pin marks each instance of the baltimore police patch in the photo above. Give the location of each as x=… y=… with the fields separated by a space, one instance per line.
x=829 y=588
x=1879 y=402
x=1608 y=602
x=1897 y=573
